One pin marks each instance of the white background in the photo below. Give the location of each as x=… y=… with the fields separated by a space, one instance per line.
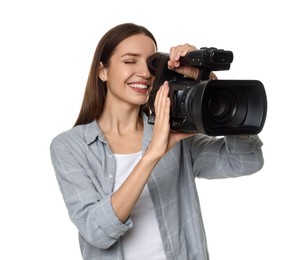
x=46 y=49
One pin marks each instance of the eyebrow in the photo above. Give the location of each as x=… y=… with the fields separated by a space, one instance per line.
x=130 y=54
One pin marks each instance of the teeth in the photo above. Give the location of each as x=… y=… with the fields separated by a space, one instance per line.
x=138 y=86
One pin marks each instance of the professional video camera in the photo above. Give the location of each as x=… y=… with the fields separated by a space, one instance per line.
x=213 y=107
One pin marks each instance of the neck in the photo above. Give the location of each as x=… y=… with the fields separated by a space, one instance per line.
x=120 y=120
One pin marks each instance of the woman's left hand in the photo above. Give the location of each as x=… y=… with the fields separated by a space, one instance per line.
x=174 y=62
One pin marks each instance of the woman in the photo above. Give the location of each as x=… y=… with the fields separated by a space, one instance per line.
x=129 y=186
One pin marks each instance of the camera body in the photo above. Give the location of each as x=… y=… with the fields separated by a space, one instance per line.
x=213 y=107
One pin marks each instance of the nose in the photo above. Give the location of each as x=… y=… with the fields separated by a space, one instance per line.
x=144 y=71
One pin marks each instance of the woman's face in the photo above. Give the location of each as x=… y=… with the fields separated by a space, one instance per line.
x=128 y=77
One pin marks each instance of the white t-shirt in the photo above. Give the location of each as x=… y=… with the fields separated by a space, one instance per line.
x=143 y=241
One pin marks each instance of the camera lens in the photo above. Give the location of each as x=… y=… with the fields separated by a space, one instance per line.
x=222 y=106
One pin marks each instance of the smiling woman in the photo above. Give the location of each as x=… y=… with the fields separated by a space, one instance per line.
x=126 y=70
x=130 y=186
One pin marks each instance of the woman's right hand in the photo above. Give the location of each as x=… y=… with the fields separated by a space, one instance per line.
x=160 y=137
x=163 y=139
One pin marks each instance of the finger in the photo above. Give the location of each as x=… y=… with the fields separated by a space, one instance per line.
x=179 y=51
x=164 y=102
x=176 y=53
x=162 y=117
x=161 y=100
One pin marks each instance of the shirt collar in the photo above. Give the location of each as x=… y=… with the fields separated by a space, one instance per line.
x=92 y=132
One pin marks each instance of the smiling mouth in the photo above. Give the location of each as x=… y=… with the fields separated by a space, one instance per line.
x=139 y=86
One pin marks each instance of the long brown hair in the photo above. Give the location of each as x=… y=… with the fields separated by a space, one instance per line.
x=96 y=90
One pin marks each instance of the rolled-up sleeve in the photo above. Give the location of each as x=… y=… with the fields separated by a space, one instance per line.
x=89 y=207
x=229 y=156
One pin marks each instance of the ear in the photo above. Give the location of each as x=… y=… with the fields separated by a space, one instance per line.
x=102 y=72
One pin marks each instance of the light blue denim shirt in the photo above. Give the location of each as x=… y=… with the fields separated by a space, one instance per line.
x=85 y=169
